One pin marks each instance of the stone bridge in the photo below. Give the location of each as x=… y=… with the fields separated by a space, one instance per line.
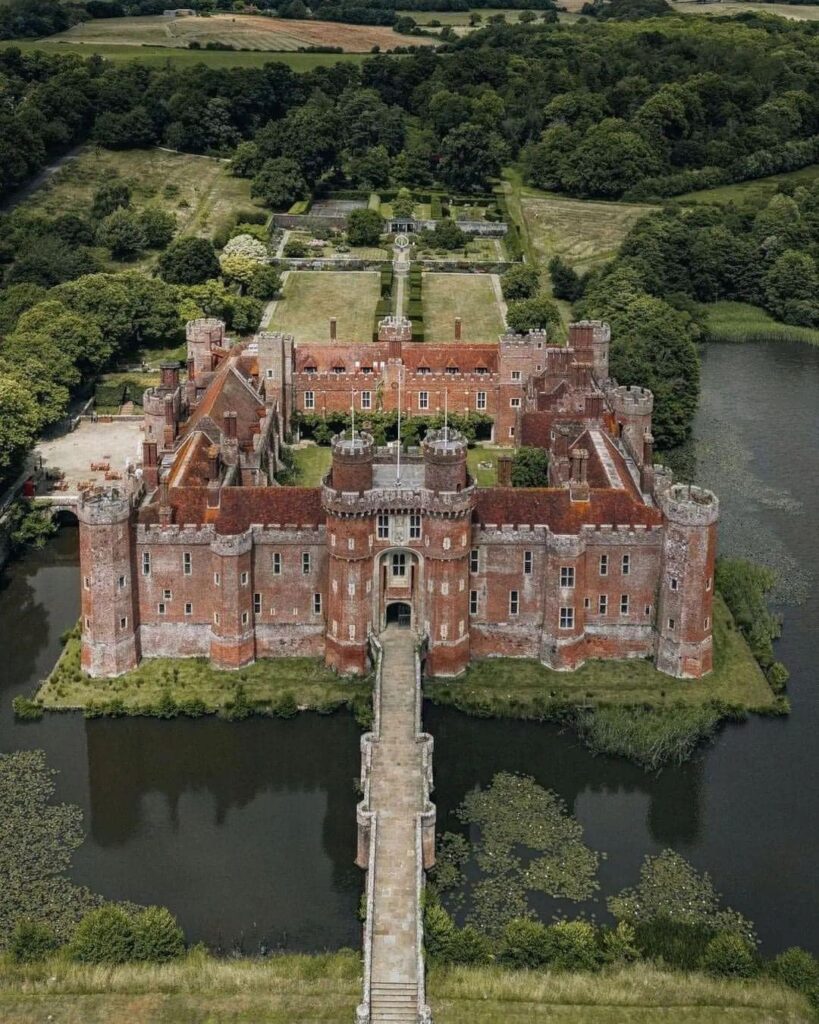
x=396 y=836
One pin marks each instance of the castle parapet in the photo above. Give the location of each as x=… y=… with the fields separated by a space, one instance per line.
x=444 y=460
x=103 y=508
x=352 y=462
x=688 y=505
x=631 y=400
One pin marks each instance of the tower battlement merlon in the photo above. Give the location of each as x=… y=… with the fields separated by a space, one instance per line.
x=689 y=505
x=632 y=400
x=103 y=508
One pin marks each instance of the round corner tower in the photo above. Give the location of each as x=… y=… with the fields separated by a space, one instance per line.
x=109 y=603
x=350 y=516
x=686 y=591
x=447 y=540
x=632 y=408
x=203 y=336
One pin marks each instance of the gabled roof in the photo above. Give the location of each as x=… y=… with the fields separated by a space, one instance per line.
x=552 y=506
x=229 y=391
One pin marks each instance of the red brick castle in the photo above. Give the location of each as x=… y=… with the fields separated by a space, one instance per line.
x=208 y=556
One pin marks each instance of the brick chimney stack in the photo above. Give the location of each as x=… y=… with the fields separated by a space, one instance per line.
x=458 y=328
x=333 y=328
x=150 y=467
x=504 y=471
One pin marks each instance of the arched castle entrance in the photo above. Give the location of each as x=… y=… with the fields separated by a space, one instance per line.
x=397 y=587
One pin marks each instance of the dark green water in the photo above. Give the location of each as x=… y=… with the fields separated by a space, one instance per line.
x=247 y=830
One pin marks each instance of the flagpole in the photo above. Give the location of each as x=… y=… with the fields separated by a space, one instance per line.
x=352 y=416
x=398 y=450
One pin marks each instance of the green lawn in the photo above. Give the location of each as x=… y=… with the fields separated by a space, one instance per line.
x=311 y=297
x=485 y=476
x=641 y=994
x=170 y=56
x=312 y=464
x=198 y=190
x=310 y=682
x=758 y=191
x=736 y=680
x=469 y=296
x=739 y=321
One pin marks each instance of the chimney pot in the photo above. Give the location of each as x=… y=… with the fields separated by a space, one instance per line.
x=333 y=328
x=457 y=328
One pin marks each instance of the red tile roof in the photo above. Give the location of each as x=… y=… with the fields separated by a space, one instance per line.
x=553 y=506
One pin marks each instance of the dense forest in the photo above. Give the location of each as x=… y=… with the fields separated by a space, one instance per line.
x=602 y=109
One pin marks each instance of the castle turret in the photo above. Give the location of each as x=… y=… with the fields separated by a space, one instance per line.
x=232 y=642
x=632 y=407
x=110 y=643
x=203 y=336
x=591 y=339
x=684 y=612
x=352 y=468
x=444 y=460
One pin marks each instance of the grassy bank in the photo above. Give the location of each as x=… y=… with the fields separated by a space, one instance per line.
x=274 y=686
x=641 y=994
x=737 y=322
x=623 y=707
x=278 y=990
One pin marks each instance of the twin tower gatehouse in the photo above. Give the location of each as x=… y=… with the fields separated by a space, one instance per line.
x=204 y=554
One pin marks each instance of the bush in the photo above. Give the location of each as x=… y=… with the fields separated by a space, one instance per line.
x=525 y=943
x=165 y=707
x=519 y=282
x=573 y=946
x=364 y=227
x=729 y=956
x=241 y=707
x=677 y=944
x=438 y=930
x=265 y=283
x=157 y=936
x=27 y=710
x=565 y=282
x=536 y=314
x=799 y=970
x=294 y=249
x=31 y=941
x=620 y=944
x=104 y=936
x=468 y=946
x=285 y=706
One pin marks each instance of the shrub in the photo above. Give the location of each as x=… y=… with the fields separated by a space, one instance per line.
x=620 y=944
x=778 y=676
x=525 y=943
x=295 y=249
x=729 y=956
x=676 y=943
x=438 y=930
x=565 y=282
x=193 y=707
x=468 y=946
x=572 y=946
x=31 y=941
x=26 y=709
x=165 y=707
x=285 y=706
x=520 y=282
x=157 y=935
x=241 y=707
x=104 y=936
x=534 y=314
x=799 y=970
x=265 y=283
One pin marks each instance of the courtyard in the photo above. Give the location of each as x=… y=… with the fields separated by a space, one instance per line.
x=94 y=454
x=311 y=297
x=475 y=298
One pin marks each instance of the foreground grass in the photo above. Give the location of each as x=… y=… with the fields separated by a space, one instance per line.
x=167 y=56
x=266 y=682
x=739 y=322
x=470 y=297
x=485 y=475
x=311 y=297
x=312 y=464
x=642 y=994
x=278 y=990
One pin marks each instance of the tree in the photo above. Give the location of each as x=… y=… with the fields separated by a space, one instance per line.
x=447 y=235
x=403 y=205
x=158 y=226
x=109 y=197
x=121 y=232
x=18 y=428
x=565 y=282
x=519 y=282
x=265 y=284
x=609 y=160
x=157 y=935
x=279 y=183
x=536 y=314
x=241 y=258
x=104 y=936
x=530 y=467
x=470 y=156
x=189 y=261
x=246 y=160
x=364 y=227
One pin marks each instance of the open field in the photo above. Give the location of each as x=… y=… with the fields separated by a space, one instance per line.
x=796 y=12
x=241 y=31
x=307 y=680
x=469 y=296
x=641 y=994
x=311 y=297
x=736 y=680
x=312 y=464
x=292 y=989
x=738 y=322
x=485 y=475
x=169 y=56
x=457 y=18
x=198 y=190
x=757 y=191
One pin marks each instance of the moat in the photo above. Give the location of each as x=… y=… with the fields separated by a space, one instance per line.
x=247 y=830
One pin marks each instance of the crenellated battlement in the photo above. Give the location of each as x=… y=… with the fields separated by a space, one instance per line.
x=205 y=331
x=444 y=445
x=103 y=508
x=397 y=328
x=689 y=505
x=631 y=400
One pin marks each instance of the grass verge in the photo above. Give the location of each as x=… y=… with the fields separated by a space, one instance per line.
x=311 y=297
x=271 y=685
x=622 y=707
x=277 y=990
x=738 y=322
x=470 y=297
x=483 y=464
x=312 y=464
x=642 y=994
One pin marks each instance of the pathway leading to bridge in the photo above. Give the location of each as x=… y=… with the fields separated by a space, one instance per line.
x=397 y=797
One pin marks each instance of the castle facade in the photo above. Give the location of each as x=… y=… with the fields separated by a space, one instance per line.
x=208 y=556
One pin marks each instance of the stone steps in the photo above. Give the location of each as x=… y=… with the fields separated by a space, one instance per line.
x=395 y=1001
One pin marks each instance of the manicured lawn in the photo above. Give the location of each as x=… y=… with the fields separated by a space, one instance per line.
x=198 y=190
x=761 y=189
x=242 y=32
x=311 y=684
x=641 y=994
x=287 y=989
x=311 y=297
x=485 y=475
x=739 y=321
x=736 y=679
x=172 y=56
x=312 y=463
x=469 y=296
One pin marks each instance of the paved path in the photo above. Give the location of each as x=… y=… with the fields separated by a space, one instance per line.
x=396 y=797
